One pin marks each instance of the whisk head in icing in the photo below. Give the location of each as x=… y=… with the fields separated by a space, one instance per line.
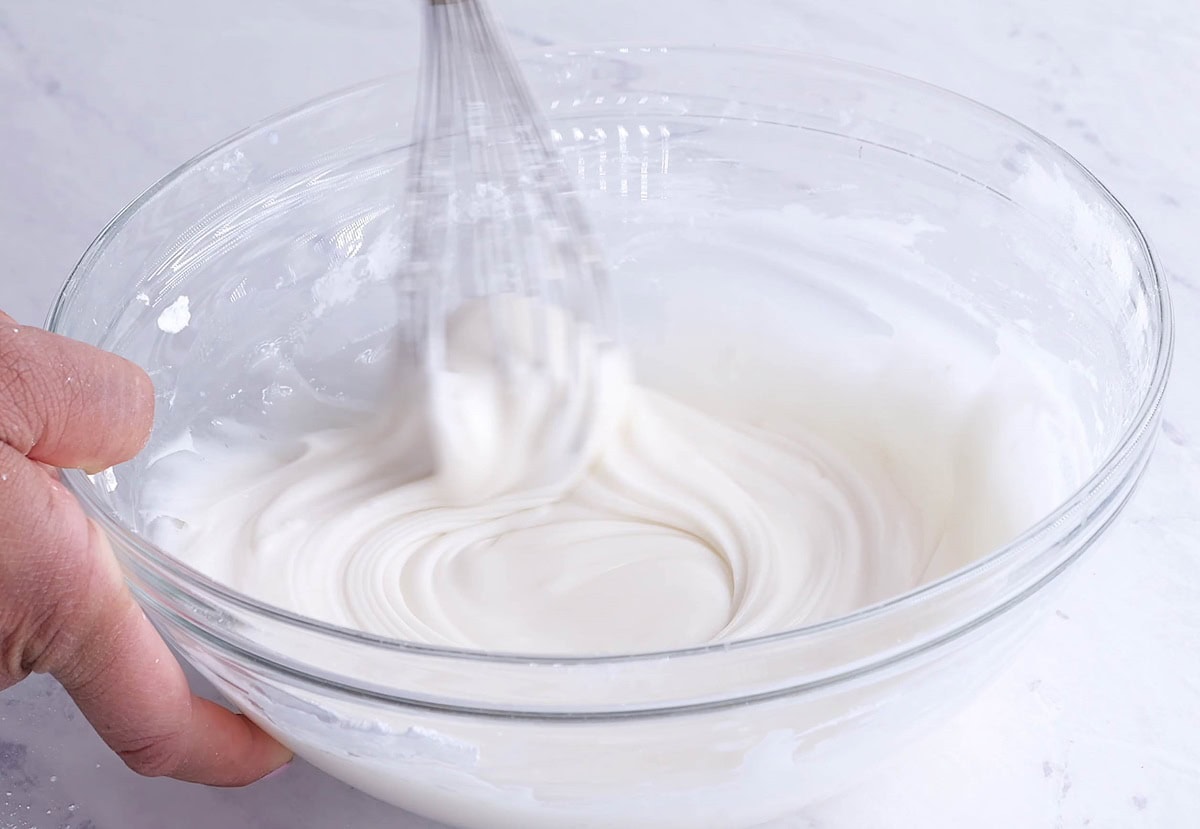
x=498 y=236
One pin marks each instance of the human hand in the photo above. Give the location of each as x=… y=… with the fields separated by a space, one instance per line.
x=64 y=607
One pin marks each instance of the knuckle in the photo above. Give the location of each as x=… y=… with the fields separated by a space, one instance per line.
x=13 y=638
x=30 y=396
x=39 y=633
x=18 y=395
x=40 y=389
x=160 y=755
x=24 y=638
x=12 y=655
x=45 y=574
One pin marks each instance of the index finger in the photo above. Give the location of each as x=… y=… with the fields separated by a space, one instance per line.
x=75 y=619
x=133 y=692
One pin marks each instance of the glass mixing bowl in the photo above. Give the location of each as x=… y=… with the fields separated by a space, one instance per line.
x=767 y=194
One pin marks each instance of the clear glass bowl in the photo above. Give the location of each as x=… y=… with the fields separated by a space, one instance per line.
x=282 y=237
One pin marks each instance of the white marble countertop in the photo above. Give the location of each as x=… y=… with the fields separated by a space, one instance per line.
x=1097 y=723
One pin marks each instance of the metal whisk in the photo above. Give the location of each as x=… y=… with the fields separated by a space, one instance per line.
x=494 y=212
x=505 y=294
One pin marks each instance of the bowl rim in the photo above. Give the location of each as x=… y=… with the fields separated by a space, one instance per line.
x=1154 y=285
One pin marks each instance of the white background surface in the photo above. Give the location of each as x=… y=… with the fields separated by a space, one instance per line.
x=1098 y=722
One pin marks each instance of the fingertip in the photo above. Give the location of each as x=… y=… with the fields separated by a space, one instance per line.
x=229 y=749
x=279 y=772
x=144 y=404
x=275 y=755
x=137 y=418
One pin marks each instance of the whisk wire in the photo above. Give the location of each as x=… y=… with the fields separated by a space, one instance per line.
x=494 y=211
